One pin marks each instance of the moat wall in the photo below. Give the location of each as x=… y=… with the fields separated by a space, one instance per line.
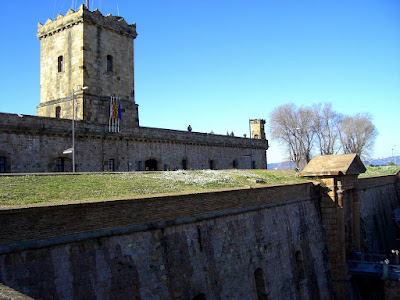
x=378 y=198
x=221 y=244
x=170 y=247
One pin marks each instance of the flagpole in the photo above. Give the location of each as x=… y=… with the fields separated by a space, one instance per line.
x=119 y=99
x=109 y=118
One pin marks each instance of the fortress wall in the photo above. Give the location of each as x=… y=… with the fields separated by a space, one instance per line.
x=11 y=123
x=45 y=222
x=378 y=200
x=32 y=144
x=212 y=244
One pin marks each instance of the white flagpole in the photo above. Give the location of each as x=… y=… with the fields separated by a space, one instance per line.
x=109 y=119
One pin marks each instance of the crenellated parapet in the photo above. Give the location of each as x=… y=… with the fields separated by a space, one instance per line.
x=72 y=18
x=86 y=48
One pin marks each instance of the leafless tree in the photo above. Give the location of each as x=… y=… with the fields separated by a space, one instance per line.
x=306 y=132
x=292 y=127
x=357 y=134
x=325 y=123
x=301 y=129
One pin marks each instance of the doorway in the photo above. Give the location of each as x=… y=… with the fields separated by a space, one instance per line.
x=150 y=165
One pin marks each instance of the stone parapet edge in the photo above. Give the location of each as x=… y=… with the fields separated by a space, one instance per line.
x=79 y=237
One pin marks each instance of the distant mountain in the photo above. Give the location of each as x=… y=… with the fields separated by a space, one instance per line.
x=382 y=161
x=285 y=165
x=372 y=162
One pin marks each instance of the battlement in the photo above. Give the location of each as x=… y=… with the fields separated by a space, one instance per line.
x=72 y=18
x=258 y=121
x=257 y=131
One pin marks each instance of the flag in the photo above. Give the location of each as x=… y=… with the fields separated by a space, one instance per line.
x=119 y=110
x=115 y=110
x=115 y=114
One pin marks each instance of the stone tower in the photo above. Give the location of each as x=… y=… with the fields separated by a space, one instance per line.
x=257 y=129
x=85 y=48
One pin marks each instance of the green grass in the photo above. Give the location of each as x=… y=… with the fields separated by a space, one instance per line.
x=379 y=171
x=30 y=189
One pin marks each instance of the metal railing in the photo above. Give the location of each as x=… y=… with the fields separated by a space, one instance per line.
x=376 y=265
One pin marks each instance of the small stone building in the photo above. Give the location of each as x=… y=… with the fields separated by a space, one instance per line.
x=87 y=62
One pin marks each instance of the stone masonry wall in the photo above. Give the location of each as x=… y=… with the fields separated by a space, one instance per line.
x=378 y=200
x=214 y=246
x=100 y=42
x=32 y=144
x=85 y=40
x=68 y=44
x=33 y=223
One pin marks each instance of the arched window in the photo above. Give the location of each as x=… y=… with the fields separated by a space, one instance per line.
x=58 y=112
x=260 y=285
x=300 y=265
x=3 y=162
x=60 y=164
x=60 y=63
x=109 y=63
x=111 y=164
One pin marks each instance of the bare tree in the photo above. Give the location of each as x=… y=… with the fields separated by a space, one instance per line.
x=292 y=127
x=306 y=131
x=300 y=130
x=357 y=134
x=325 y=123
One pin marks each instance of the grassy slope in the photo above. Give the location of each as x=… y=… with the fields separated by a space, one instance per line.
x=30 y=189
x=23 y=190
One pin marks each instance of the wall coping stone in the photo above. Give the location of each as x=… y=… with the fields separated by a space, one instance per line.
x=79 y=237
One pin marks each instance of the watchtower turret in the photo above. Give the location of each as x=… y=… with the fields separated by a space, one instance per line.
x=257 y=129
x=85 y=48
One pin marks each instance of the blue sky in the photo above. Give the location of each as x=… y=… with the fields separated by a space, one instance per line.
x=217 y=64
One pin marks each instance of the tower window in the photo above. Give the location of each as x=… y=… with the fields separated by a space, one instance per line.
x=58 y=112
x=111 y=164
x=2 y=164
x=61 y=63
x=109 y=63
x=60 y=164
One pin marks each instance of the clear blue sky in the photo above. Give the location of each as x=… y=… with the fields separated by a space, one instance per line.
x=217 y=64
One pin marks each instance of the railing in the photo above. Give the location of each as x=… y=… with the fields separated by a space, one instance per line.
x=375 y=265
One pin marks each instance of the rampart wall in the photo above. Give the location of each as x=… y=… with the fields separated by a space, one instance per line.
x=179 y=246
x=32 y=144
x=228 y=244
x=378 y=198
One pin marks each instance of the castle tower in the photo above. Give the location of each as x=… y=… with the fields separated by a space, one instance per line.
x=257 y=129
x=85 y=48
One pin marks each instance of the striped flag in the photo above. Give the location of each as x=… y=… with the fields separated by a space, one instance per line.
x=115 y=114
